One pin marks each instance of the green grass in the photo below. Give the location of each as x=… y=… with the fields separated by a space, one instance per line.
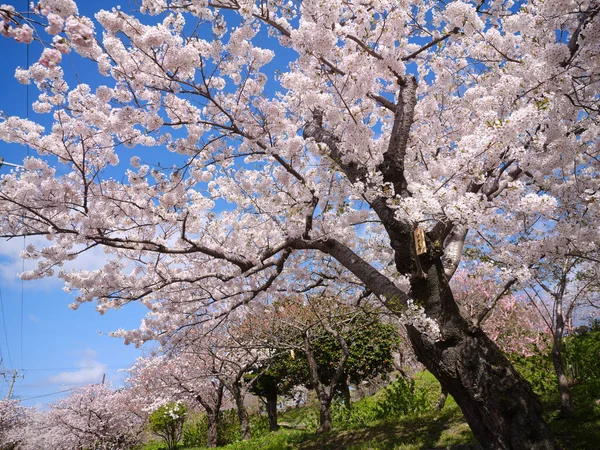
x=446 y=429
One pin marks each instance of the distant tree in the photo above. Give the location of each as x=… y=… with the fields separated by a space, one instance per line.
x=510 y=320
x=12 y=417
x=560 y=288
x=324 y=345
x=157 y=380
x=167 y=422
x=93 y=416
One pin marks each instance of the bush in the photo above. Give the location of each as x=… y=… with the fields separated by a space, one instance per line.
x=195 y=431
x=581 y=354
x=539 y=371
x=259 y=426
x=402 y=398
x=167 y=422
x=360 y=415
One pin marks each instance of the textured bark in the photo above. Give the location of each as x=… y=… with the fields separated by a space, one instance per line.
x=212 y=415
x=325 y=424
x=212 y=434
x=241 y=412
x=567 y=407
x=499 y=405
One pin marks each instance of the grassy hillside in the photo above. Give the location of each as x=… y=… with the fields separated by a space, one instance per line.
x=363 y=427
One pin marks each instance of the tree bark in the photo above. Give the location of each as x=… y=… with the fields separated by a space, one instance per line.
x=499 y=405
x=212 y=415
x=212 y=434
x=325 y=423
x=271 y=404
x=241 y=412
x=567 y=407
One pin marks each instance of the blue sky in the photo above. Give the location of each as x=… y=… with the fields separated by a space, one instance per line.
x=53 y=346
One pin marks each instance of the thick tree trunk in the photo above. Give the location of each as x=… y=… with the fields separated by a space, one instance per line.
x=499 y=405
x=242 y=413
x=272 y=411
x=212 y=434
x=567 y=407
x=325 y=424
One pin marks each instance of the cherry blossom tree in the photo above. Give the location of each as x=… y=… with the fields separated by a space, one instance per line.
x=158 y=380
x=562 y=286
x=509 y=320
x=390 y=135
x=93 y=416
x=12 y=416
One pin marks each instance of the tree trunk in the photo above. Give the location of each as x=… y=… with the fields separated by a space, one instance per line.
x=242 y=413
x=567 y=408
x=212 y=415
x=212 y=434
x=499 y=405
x=325 y=424
x=346 y=393
x=271 y=404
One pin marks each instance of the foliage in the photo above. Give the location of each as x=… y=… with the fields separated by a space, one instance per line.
x=371 y=344
x=361 y=414
x=167 y=422
x=538 y=370
x=582 y=352
x=195 y=429
x=259 y=425
x=400 y=398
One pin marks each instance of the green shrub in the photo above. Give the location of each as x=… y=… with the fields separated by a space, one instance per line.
x=229 y=427
x=582 y=353
x=167 y=422
x=195 y=431
x=402 y=398
x=360 y=415
x=539 y=371
x=259 y=426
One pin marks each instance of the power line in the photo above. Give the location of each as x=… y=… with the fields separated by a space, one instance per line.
x=47 y=395
x=4 y=324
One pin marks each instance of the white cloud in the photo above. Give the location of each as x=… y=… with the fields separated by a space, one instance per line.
x=12 y=264
x=91 y=371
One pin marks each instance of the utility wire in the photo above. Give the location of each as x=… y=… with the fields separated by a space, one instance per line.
x=47 y=395
x=4 y=324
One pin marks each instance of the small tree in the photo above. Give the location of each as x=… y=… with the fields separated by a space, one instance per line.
x=167 y=422
x=323 y=344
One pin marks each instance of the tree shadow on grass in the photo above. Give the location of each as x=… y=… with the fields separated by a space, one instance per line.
x=447 y=430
